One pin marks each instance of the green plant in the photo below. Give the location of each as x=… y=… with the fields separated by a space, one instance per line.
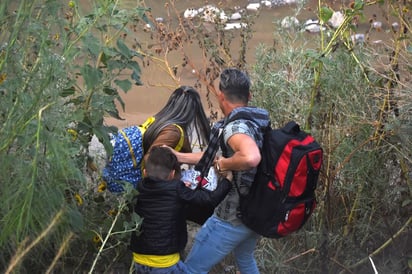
x=61 y=72
x=354 y=99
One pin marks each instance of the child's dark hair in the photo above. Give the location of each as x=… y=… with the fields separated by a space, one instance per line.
x=161 y=162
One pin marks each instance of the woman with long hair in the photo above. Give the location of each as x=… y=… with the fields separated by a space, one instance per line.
x=180 y=124
x=182 y=114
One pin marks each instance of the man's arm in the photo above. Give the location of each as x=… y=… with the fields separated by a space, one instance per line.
x=246 y=156
x=188 y=158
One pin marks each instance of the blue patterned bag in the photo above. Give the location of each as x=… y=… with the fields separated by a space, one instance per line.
x=125 y=164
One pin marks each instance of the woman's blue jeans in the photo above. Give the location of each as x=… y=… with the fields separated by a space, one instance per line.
x=215 y=240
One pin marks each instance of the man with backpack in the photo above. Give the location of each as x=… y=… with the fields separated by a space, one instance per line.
x=224 y=232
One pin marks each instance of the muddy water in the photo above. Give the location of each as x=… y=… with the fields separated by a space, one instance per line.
x=146 y=100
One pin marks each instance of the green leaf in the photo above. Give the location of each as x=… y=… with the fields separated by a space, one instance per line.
x=78 y=114
x=92 y=76
x=110 y=52
x=84 y=23
x=136 y=78
x=134 y=66
x=77 y=100
x=92 y=44
x=110 y=91
x=325 y=14
x=112 y=110
x=67 y=92
x=115 y=114
x=125 y=85
x=359 y=4
x=101 y=133
x=124 y=50
x=115 y=64
x=136 y=72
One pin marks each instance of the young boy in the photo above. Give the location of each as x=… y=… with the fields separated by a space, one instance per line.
x=161 y=203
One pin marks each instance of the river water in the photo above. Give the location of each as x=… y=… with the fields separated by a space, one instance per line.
x=146 y=100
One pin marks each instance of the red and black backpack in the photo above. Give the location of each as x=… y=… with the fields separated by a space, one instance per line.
x=282 y=196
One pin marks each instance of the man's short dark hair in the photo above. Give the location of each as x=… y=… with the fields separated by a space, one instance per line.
x=235 y=84
x=160 y=162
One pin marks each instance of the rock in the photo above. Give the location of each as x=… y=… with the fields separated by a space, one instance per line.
x=253 y=6
x=395 y=27
x=190 y=13
x=236 y=16
x=313 y=26
x=337 y=19
x=97 y=152
x=230 y=26
x=266 y=3
x=358 y=38
x=377 y=25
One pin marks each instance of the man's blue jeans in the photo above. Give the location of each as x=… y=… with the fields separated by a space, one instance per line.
x=178 y=268
x=218 y=238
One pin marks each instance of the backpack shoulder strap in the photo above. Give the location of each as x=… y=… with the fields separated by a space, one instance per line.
x=130 y=147
x=143 y=127
x=291 y=127
x=179 y=145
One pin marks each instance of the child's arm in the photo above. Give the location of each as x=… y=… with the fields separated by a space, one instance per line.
x=203 y=196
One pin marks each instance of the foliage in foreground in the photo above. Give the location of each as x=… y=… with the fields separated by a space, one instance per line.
x=360 y=110
x=61 y=72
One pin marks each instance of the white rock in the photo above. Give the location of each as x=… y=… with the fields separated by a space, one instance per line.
x=236 y=16
x=230 y=26
x=266 y=3
x=358 y=38
x=337 y=19
x=97 y=152
x=313 y=26
x=253 y=6
x=377 y=25
x=395 y=26
x=190 y=13
x=147 y=27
